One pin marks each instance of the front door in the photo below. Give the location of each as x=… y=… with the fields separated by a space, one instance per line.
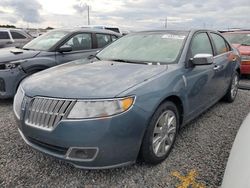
x=200 y=79
x=81 y=48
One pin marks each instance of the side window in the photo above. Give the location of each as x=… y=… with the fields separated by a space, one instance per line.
x=81 y=41
x=201 y=45
x=4 y=35
x=220 y=44
x=113 y=38
x=16 y=35
x=102 y=40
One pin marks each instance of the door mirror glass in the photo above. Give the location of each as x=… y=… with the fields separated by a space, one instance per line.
x=65 y=48
x=202 y=59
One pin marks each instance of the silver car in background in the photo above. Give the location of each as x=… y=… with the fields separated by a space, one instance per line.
x=13 y=37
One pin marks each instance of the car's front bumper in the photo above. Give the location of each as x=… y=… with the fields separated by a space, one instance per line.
x=117 y=139
x=9 y=80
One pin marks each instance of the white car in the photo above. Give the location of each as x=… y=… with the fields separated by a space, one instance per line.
x=237 y=174
x=13 y=37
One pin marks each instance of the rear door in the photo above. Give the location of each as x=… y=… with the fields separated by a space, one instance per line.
x=82 y=46
x=222 y=64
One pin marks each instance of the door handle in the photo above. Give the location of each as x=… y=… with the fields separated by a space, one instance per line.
x=217 y=67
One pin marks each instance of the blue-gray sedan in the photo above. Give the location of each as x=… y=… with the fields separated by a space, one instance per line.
x=129 y=101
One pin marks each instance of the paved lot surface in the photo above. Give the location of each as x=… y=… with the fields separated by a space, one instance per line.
x=203 y=146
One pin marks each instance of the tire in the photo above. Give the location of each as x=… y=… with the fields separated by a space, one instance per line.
x=233 y=89
x=157 y=132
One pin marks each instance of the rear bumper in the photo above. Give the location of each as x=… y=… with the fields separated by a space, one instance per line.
x=9 y=81
x=117 y=139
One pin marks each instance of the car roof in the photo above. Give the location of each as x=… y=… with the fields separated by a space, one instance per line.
x=177 y=31
x=239 y=31
x=94 y=30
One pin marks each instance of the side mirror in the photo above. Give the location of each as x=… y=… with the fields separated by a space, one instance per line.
x=65 y=48
x=202 y=59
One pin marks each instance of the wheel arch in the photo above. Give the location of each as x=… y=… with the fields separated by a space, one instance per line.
x=179 y=104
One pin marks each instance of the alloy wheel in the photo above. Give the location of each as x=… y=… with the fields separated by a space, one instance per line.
x=164 y=133
x=234 y=86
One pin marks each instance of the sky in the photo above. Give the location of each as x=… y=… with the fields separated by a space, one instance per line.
x=127 y=14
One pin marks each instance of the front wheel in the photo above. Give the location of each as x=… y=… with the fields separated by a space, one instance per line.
x=233 y=88
x=160 y=134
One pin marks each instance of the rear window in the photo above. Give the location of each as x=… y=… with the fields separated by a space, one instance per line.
x=238 y=38
x=113 y=29
x=4 y=35
x=102 y=40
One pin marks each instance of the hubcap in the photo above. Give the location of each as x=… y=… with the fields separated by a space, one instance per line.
x=234 y=87
x=164 y=133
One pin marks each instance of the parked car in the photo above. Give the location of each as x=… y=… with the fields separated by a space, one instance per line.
x=108 y=27
x=237 y=171
x=13 y=37
x=130 y=101
x=51 y=49
x=241 y=41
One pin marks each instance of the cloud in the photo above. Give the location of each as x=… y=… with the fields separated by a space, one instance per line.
x=80 y=6
x=27 y=10
x=131 y=14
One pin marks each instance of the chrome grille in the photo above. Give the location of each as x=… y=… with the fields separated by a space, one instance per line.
x=45 y=113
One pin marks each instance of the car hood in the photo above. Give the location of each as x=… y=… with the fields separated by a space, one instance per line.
x=101 y=79
x=244 y=50
x=14 y=54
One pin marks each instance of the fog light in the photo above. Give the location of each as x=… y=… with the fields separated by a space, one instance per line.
x=82 y=154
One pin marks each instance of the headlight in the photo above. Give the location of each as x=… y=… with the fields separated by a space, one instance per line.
x=11 y=65
x=245 y=58
x=100 y=108
x=18 y=99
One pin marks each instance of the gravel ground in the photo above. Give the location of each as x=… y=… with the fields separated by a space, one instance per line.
x=203 y=145
x=245 y=83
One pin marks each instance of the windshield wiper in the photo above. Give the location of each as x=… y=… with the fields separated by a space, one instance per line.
x=127 y=61
x=244 y=44
x=137 y=62
x=93 y=56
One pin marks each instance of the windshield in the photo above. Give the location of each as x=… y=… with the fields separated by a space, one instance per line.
x=238 y=38
x=46 y=41
x=145 y=47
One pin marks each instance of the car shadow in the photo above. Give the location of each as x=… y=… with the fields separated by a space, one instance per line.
x=6 y=101
x=245 y=82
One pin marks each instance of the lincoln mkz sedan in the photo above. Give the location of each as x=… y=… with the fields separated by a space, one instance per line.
x=129 y=101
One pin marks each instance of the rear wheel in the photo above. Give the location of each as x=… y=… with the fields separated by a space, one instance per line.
x=160 y=134
x=233 y=88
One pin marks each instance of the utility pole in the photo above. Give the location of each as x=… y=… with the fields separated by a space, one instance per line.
x=166 y=23
x=88 y=15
